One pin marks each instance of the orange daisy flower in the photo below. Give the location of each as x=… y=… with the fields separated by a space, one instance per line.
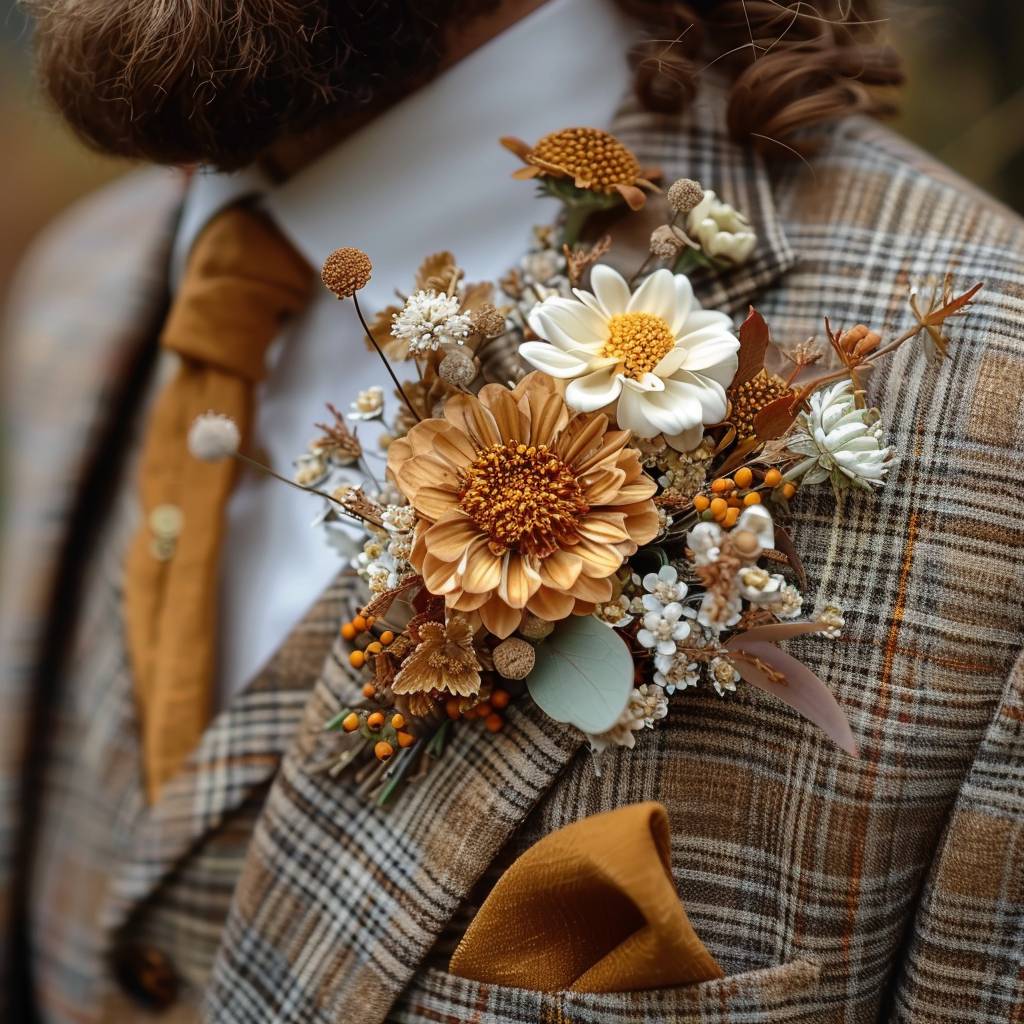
x=522 y=505
x=591 y=158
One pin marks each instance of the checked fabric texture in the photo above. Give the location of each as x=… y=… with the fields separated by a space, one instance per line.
x=830 y=891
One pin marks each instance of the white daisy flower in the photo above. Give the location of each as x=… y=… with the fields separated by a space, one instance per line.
x=663 y=359
x=840 y=442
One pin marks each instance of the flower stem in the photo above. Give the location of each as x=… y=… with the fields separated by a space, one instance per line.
x=299 y=487
x=576 y=215
x=384 y=359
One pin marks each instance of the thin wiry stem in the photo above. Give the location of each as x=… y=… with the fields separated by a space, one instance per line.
x=299 y=487
x=384 y=360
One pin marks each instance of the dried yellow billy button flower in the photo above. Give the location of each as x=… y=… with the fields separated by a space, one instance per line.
x=346 y=271
x=593 y=159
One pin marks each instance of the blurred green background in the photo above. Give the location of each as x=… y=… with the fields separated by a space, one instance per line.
x=964 y=103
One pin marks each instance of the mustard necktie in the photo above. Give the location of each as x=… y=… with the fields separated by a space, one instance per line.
x=242 y=280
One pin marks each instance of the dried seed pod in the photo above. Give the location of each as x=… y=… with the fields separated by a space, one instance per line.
x=665 y=243
x=514 y=658
x=684 y=194
x=458 y=368
x=488 y=321
x=535 y=628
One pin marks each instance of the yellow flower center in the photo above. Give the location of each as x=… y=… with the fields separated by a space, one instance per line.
x=639 y=341
x=593 y=156
x=523 y=497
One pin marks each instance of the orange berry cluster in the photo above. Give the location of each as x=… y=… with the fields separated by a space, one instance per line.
x=489 y=710
x=376 y=726
x=360 y=627
x=730 y=495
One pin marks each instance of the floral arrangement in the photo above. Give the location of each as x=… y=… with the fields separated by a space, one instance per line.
x=588 y=482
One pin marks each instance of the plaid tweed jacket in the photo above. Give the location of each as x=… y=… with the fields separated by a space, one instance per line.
x=831 y=890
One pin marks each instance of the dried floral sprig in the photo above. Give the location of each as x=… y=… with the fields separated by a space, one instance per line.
x=336 y=440
x=211 y=439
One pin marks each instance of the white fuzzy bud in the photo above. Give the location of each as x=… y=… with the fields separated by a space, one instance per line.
x=213 y=437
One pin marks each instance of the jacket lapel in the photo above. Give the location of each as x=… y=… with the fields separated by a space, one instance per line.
x=239 y=752
x=340 y=900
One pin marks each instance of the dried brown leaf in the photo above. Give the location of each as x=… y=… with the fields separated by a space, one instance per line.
x=775 y=418
x=937 y=316
x=754 y=339
x=803 y=690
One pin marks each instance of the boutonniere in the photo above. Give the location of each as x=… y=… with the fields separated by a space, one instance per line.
x=587 y=493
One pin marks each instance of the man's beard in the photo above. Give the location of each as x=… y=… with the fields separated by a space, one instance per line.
x=215 y=82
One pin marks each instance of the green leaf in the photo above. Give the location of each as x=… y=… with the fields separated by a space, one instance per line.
x=583 y=675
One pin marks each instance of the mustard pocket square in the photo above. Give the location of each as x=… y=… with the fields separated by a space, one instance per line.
x=590 y=908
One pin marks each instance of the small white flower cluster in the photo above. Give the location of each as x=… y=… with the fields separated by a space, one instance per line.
x=839 y=441
x=542 y=274
x=722 y=231
x=429 y=320
x=384 y=559
x=647 y=704
x=753 y=534
x=369 y=404
x=666 y=619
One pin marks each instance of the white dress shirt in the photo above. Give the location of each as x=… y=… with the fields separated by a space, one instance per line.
x=427 y=175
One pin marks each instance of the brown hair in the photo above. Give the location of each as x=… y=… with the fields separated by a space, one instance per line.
x=792 y=63
x=218 y=81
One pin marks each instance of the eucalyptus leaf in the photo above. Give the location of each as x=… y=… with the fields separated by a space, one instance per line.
x=583 y=675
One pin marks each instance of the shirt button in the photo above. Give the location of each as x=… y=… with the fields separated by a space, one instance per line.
x=147 y=975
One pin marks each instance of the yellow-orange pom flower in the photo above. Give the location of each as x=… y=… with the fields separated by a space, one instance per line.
x=521 y=504
x=591 y=158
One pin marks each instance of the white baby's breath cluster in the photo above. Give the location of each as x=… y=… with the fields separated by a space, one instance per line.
x=213 y=437
x=647 y=704
x=430 y=319
x=384 y=560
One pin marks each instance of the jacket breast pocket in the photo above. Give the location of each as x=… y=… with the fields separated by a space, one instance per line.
x=787 y=994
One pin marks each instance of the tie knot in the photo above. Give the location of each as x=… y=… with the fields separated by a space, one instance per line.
x=242 y=280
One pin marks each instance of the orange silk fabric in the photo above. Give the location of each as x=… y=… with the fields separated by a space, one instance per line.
x=243 y=279
x=590 y=908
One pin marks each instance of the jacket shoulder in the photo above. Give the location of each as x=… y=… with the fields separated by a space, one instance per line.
x=868 y=183
x=93 y=252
